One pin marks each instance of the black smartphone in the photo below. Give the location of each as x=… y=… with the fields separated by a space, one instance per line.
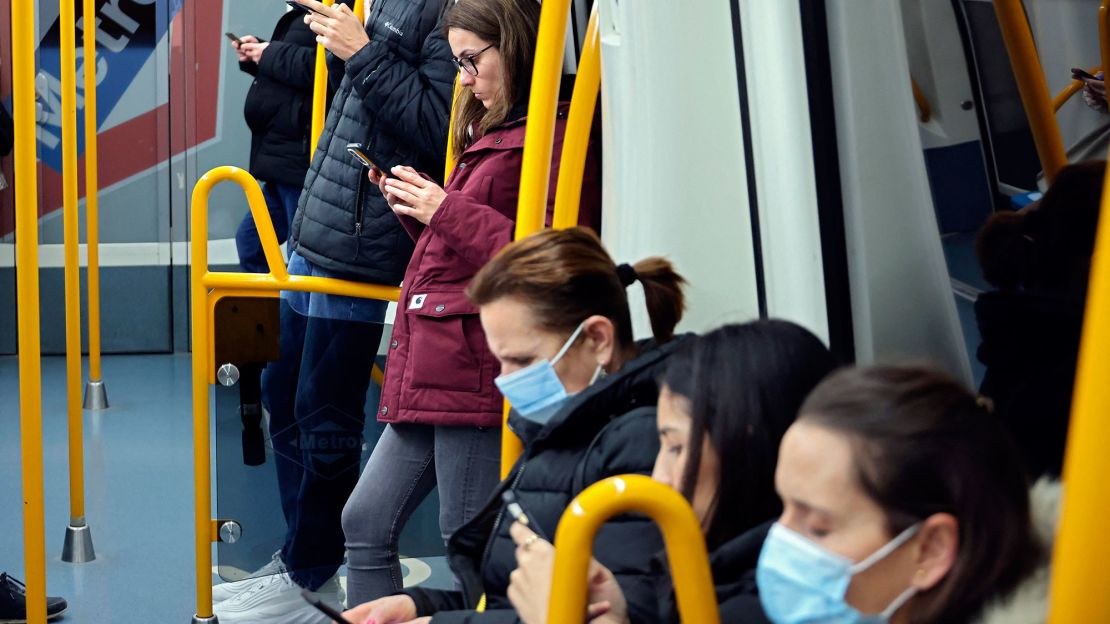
x=233 y=37
x=1078 y=73
x=359 y=152
x=323 y=607
x=301 y=7
x=520 y=515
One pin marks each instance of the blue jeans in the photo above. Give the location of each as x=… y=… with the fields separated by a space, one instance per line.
x=315 y=393
x=281 y=201
x=408 y=461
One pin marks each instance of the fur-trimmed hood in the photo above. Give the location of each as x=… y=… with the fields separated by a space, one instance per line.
x=1028 y=603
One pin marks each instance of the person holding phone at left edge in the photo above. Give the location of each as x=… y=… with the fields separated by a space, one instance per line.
x=392 y=74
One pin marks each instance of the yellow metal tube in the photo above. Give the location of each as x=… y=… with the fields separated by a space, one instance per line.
x=92 y=203
x=535 y=169
x=319 y=94
x=693 y=581
x=449 y=162
x=27 y=288
x=68 y=50
x=924 y=110
x=1078 y=593
x=1075 y=86
x=1104 y=34
x=205 y=288
x=576 y=142
x=1031 y=84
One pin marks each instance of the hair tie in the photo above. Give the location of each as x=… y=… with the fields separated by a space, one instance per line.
x=626 y=274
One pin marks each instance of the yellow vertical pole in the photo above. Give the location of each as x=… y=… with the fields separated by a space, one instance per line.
x=27 y=288
x=535 y=170
x=92 y=209
x=449 y=162
x=685 y=544
x=576 y=142
x=1032 y=86
x=202 y=470
x=1078 y=594
x=1104 y=34
x=68 y=50
x=319 y=94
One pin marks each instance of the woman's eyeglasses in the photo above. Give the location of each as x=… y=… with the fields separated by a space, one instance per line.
x=467 y=63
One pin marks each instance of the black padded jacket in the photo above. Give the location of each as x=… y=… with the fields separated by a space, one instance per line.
x=604 y=431
x=279 y=102
x=395 y=99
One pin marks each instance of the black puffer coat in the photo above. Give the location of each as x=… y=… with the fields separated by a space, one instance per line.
x=605 y=431
x=279 y=102
x=395 y=99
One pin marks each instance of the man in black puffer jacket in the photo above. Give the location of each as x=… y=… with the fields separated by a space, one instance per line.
x=395 y=77
x=277 y=110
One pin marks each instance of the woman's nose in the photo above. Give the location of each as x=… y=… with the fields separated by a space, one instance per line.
x=465 y=79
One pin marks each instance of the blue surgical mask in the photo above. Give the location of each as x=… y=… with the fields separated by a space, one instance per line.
x=535 y=392
x=801 y=582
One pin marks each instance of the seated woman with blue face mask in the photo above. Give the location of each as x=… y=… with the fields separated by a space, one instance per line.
x=556 y=316
x=904 y=501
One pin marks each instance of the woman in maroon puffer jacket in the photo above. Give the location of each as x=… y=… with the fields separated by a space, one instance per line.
x=439 y=399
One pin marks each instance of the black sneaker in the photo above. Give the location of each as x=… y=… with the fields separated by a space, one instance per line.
x=13 y=602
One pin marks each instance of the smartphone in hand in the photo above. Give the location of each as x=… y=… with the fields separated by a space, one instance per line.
x=301 y=7
x=1078 y=73
x=512 y=505
x=322 y=607
x=233 y=38
x=359 y=152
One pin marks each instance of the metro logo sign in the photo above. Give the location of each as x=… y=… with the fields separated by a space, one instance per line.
x=128 y=34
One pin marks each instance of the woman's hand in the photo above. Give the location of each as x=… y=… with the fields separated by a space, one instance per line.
x=253 y=50
x=412 y=194
x=245 y=39
x=388 y=610
x=1094 y=92
x=337 y=28
x=530 y=584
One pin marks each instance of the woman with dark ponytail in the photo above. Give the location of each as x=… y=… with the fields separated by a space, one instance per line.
x=583 y=391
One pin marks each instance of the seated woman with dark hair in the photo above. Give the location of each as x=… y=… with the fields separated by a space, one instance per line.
x=904 y=501
x=556 y=316
x=724 y=404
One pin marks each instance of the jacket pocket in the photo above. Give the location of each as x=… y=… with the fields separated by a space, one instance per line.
x=443 y=330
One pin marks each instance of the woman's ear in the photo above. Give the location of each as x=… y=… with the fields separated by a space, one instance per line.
x=600 y=338
x=937 y=544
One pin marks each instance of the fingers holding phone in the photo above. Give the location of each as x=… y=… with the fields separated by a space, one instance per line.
x=253 y=50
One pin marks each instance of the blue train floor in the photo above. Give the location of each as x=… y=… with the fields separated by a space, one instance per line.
x=139 y=495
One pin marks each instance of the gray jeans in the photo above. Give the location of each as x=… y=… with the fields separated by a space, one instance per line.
x=406 y=464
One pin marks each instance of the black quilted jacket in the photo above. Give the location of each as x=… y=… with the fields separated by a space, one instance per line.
x=395 y=99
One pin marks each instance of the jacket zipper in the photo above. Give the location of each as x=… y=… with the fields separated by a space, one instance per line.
x=497 y=519
x=358 y=217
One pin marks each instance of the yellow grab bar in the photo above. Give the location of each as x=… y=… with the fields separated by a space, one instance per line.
x=535 y=169
x=205 y=287
x=68 y=51
x=319 y=94
x=1075 y=86
x=576 y=142
x=1079 y=595
x=693 y=581
x=27 y=304
x=1031 y=84
x=1104 y=34
x=92 y=203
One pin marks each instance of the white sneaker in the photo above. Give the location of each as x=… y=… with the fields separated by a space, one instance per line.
x=224 y=591
x=276 y=598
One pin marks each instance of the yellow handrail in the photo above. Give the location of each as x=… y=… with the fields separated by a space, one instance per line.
x=1075 y=86
x=580 y=120
x=693 y=581
x=27 y=288
x=924 y=110
x=1104 y=34
x=535 y=169
x=68 y=50
x=204 y=288
x=1078 y=595
x=319 y=94
x=92 y=199
x=1031 y=84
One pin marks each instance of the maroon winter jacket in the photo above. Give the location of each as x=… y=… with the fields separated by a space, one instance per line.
x=439 y=370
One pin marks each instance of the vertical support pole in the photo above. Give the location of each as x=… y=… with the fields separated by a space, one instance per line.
x=96 y=395
x=1104 y=35
x=319 y=95
x=576 y=143
x=27 y=276
x=1077 y=594
x=202 y=453
x=1032 y=86
x=77 y=530
x=535 y=169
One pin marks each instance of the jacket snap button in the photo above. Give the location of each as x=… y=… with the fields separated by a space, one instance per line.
x=462 y=166
x=497 y=142
x=393 y=345
x=385 y=410
x=440 y=308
